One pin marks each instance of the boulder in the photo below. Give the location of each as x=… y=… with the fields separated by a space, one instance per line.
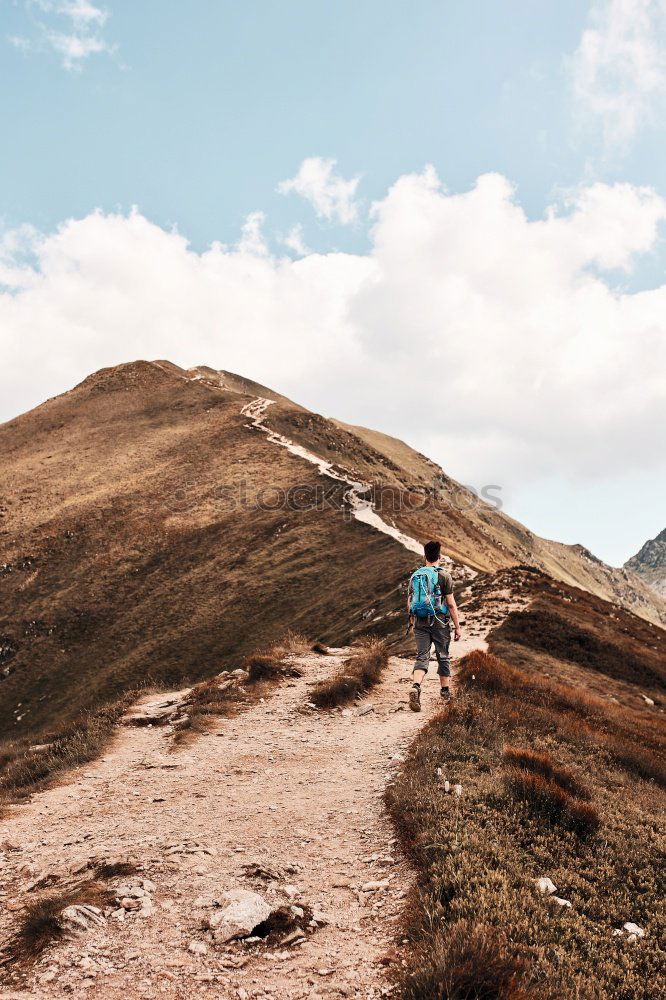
x=545 y=885
x=240 y=912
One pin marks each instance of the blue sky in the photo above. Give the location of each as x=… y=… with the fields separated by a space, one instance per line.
x=196 y=113
x=203 y=107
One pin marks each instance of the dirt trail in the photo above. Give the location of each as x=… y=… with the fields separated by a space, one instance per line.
x=297 y=790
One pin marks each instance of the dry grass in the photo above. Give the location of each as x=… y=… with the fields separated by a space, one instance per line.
x=543 y=764
x=359 y=673
x=613 y=653
x=116 y=869
x=547 y=799
x=468 y=961
x=276 y=661
x=40 y=925
x=26 y=771
x=630 y=739
x=479 y=856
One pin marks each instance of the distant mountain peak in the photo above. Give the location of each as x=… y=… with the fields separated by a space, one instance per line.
x=650 y=562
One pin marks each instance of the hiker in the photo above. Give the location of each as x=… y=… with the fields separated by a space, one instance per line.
x=430 y=605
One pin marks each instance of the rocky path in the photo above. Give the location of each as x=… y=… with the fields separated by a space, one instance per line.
x=287 y=789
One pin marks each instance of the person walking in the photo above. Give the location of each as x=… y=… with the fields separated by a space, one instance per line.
x=432 y=607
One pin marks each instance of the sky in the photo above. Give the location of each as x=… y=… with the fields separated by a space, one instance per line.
x=442 y=220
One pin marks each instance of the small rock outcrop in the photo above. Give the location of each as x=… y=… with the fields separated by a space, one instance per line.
x=81 y=917
x=240 y=912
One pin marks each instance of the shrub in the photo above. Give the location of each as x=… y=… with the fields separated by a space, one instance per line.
x=468 y=961
x=274 y=662
x=359 y=673
x=40 y=923
x=543 y=764
x=547 y=799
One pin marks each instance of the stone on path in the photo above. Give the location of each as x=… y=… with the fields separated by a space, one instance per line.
x=240 y=912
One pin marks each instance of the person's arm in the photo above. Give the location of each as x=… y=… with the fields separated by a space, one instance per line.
x=453 y=611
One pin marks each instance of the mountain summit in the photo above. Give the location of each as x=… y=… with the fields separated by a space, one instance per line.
x=650 y=563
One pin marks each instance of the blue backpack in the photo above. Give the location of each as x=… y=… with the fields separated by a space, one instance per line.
x=426 y=593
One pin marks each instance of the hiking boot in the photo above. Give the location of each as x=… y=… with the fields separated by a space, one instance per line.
x=415 y=698
x=445 y=694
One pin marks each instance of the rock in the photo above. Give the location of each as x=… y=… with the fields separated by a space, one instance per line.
x=241 y=911
x=147 y=907
x=242 y=675
x=375 y=885
x=648 y=701
x=156 y=711
x=130 y=903
x=545 y=885
x=296 y=935
x=197 y=948
x=633 y=929
x=366 y=710
x=205 y=902
x=290 y=891
x=319 y=919
x=560 y=901
x=81 y=917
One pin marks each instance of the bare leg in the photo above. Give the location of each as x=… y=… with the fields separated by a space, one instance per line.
x=418 y=676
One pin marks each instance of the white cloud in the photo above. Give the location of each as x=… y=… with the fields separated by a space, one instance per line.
x=295 y=240
x=489 y=341
x=72 y=28
x=619 y=69
x=82 y=12
x=331 y=196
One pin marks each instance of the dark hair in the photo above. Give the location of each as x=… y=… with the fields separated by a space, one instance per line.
x=432 y=551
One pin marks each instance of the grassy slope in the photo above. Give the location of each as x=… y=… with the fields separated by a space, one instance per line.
x=569 y=702
x=479 y=855
x=117 y=580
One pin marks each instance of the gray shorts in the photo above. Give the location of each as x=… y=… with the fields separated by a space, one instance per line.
x=428 y=631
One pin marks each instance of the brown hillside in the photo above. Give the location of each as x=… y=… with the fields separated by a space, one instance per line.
x=134 y=553
x=123 y=562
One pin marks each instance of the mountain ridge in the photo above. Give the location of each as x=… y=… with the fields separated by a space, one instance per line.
x=142 y=539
